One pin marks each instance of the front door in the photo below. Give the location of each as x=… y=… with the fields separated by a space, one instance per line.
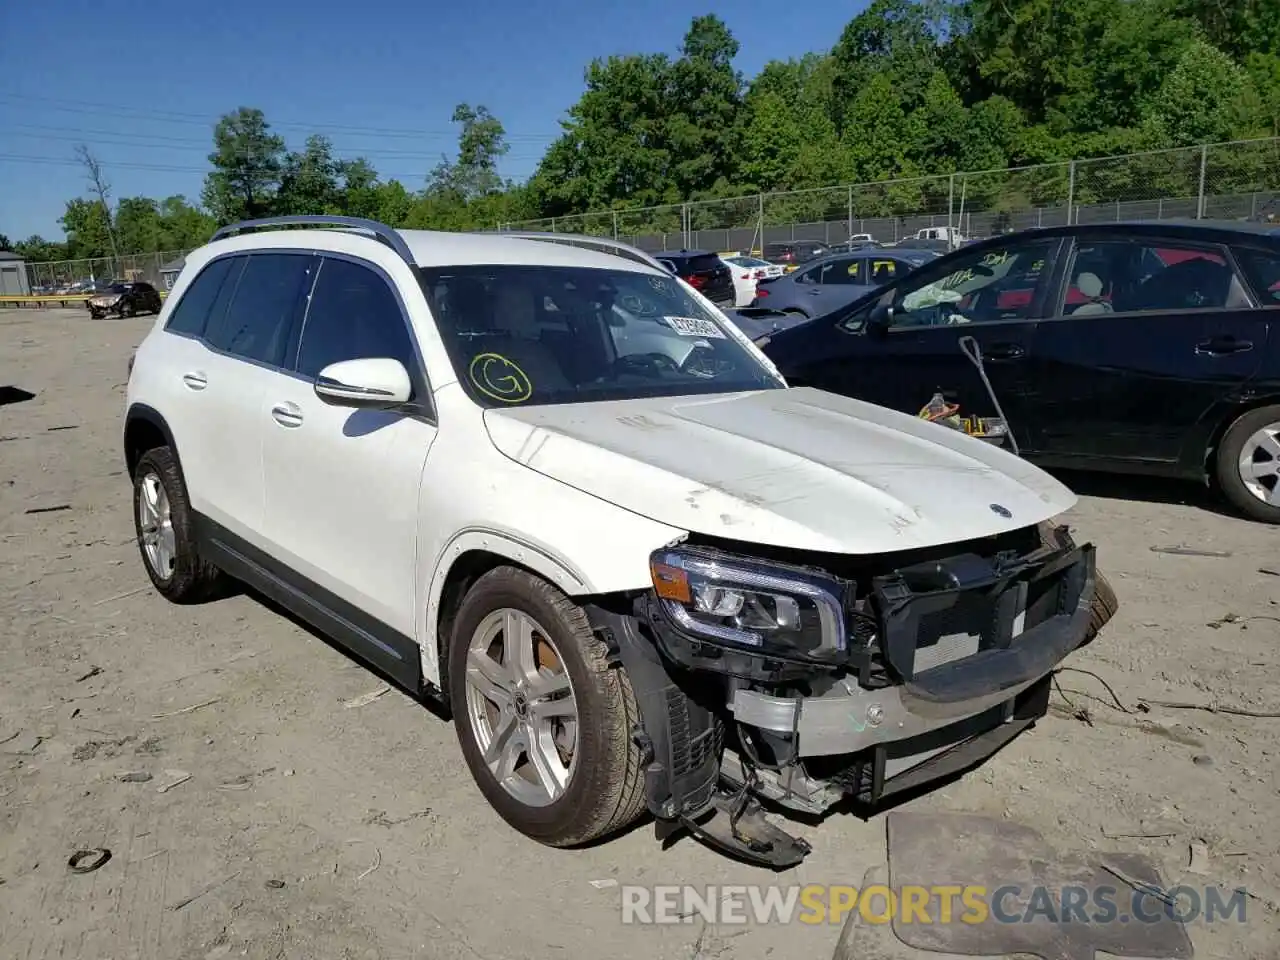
x=342 y=484
x=992 y=296
x=1150 y=335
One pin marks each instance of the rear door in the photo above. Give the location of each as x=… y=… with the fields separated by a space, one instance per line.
x=902 y=367
x=234 y=321
x=835 y=282
x=1149 y=337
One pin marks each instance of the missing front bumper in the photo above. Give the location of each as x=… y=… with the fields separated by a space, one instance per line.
x=961 y=636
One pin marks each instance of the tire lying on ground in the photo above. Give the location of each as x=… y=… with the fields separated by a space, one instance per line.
x=1105 y=603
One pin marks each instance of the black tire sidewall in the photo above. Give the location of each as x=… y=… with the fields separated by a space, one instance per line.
x=184 y=582
x=574 y=812
x=1227 y=459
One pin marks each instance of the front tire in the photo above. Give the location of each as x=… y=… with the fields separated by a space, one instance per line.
x=543 y=720
x=1247 y=464
x=166 y=536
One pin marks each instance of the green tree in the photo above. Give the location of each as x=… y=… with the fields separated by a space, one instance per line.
x=87 y=228
x=139 y=228
x=614 y=148
x=309 y=181
x=182 y=225
x=36 y=249
x=248 y=160
x=1201 y=100
x=705 y=106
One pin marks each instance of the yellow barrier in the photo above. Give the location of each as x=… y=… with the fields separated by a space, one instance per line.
x=52 y=298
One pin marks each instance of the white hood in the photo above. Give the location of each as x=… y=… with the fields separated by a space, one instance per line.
x=796 y=468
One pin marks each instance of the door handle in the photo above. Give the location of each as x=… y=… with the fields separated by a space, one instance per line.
x=1222 y=346
x=287 y=414
x=1003 y=351
x=196 y=380
x=814 y=293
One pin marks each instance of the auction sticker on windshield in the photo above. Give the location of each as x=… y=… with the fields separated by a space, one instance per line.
x=694 y=327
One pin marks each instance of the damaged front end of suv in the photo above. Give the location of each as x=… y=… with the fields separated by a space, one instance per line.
x=816 y=680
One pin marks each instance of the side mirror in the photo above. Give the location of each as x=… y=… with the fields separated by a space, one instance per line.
x=881 y=318
x=365 y=384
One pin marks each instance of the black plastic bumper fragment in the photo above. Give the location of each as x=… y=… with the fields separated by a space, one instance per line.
x=960 y=746
x=682 y=742
x=1048 y=597
x=735 y=824
x=682 y=738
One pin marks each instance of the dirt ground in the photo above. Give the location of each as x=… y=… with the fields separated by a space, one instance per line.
x=309 y=829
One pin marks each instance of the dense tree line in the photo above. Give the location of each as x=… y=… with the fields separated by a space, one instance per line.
x=911 y=88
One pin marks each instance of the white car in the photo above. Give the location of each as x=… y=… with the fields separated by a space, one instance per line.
x=747 y=271
x=542 y=480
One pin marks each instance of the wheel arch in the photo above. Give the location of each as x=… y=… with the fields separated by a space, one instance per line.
x=466 y=558
x=1223 y=423
x=145 y=429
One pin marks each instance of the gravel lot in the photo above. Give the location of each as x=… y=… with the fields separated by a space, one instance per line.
x=313 y=830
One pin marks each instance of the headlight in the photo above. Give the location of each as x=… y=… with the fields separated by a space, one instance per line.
x=748 y=604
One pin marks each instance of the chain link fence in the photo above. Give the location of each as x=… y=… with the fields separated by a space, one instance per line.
x=73 y=276
x=1229 y=181
x=1225 y=181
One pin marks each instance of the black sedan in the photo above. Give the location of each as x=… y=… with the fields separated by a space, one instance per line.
x=124 y=299
x=1126 y=347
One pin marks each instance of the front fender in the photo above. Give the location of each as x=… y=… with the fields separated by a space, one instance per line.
x=560 y=573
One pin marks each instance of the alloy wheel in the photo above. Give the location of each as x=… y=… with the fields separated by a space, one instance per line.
x=155 y=526
x=1259 y=464
x=521 y=706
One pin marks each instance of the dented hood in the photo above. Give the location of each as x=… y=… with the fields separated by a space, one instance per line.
x=795 y=467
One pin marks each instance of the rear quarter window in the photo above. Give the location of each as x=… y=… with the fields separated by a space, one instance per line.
x=191 y=313
x=704 y=264
x=1262 y=267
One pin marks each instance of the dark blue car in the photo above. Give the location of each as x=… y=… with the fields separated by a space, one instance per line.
x=837 y=280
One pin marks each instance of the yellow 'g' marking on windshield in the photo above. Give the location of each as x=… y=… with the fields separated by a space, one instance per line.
x=500 y=378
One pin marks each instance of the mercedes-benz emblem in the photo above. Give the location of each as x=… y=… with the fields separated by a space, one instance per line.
x=1001 y=511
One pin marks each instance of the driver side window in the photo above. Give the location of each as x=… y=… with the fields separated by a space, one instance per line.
x=994 y=285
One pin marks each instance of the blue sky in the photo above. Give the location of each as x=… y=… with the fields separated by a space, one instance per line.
x=142 y=82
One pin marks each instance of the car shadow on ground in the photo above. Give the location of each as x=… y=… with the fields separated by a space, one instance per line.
x=433 y=706
x=1136 y=488
x=12 y=394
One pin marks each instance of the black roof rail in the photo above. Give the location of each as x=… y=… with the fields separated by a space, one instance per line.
x=380 y=231
x=599 y=244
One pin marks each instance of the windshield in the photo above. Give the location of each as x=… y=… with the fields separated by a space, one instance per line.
x=526 y=335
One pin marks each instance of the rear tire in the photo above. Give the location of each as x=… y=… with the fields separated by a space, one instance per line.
x=1247 y=464
x=166 y=536
x=604 y=789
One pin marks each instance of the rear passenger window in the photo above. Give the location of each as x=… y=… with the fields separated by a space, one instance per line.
x=192 y=311
x=256 y=322
x=1263 y=270
x=353 y=316
x=1120 y=276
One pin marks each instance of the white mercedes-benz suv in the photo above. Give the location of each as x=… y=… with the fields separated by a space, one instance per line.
x=546 y=482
